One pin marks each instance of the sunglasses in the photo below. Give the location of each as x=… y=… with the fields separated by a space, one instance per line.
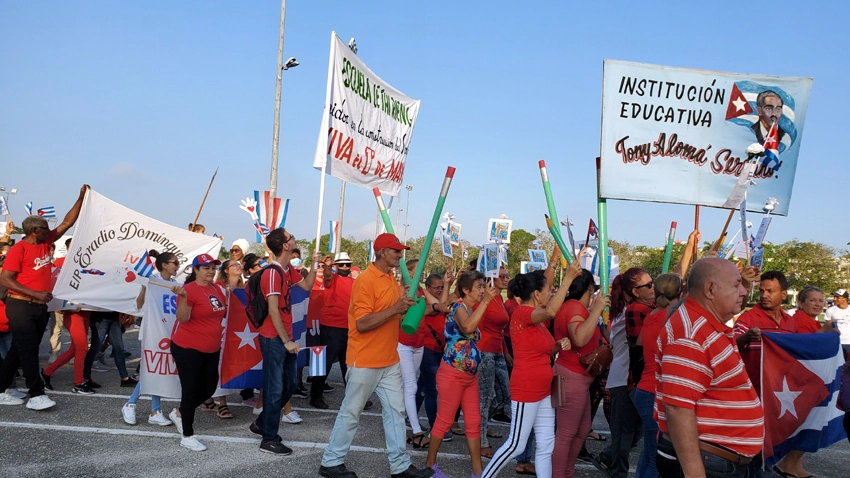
x=235 y=249
x=344 y=266
x=504 y=276
x=648 y=285
x=173 y=262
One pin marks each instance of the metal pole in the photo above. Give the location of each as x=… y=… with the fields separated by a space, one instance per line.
x=397 y=215
x=341 y=209
x=276 y=131
x=406 y=222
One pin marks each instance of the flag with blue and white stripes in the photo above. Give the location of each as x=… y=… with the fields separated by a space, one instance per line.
x=144 y=266
x=28 y=208
x=48 y=212
x=318 y=361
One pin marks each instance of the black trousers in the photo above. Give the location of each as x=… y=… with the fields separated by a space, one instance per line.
x=198 y=372
x=27 y=323
x=626 y=431
x=336 y=341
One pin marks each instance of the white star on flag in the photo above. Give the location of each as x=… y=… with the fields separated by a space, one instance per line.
x=247 y=338
x=739 y=104
x=786 y=399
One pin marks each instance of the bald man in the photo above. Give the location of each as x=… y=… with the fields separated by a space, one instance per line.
x=707 y=410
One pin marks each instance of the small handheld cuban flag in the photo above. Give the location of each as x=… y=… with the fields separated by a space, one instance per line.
x=771 y=149
x=48 y=212
x=333 y=241
x=371 y=251
x=318 y=361
x=144 y=266
x=28 y=208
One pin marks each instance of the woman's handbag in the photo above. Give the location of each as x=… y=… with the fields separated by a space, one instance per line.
x=559 y=391
x=597 y=361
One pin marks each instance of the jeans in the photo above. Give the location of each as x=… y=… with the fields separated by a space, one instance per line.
x=410 y=359
x=645 y=402
x=492 y=378
x=198 y=373
x=525 y=416
x=113 y=328
x=27 y=322
x=280 y=380
x=134 y=398
x=573 y=421
x=715 y=467
x=335 y=339
x=626 y=430
x=5 y=344
x=427 y=384
x=360 y=383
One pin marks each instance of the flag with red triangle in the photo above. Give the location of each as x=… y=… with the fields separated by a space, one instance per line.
x=771 y=149
x=241 y=358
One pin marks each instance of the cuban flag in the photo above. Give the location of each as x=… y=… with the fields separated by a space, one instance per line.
x=4 y=210
x=801 y=374
x=241 y=358
x=318 y=361
x=144 y=266
x=333 y=240
x=48 y=212
x=589 y=261
x=370 y=252
x=741 y=110
x=279 y=206
x=300 y=303
x=771 y=149
x=28 y=208
x=592 y=231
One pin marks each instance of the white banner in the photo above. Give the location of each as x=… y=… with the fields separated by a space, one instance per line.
x=158 y=373
x=108 y=260
x=366 y=125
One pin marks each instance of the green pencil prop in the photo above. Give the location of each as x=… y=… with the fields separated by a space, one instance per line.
x=567 y=255
x=388 y=225
x=668 y=252
x=553 y=229
x=602 y=226
x=414 y=314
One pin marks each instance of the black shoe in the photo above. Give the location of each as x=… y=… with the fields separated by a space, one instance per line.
x=328 y=388
x=599 y=464
x=129 y=382
x=413 y=472
x=368 y=405
x=449 y=436
x=275 y=447
x=338 y=471
x=83 y=389
x=584 y=456
x=92 y=384
x=46 y=380
x=127 y=354
x=301 y=392
x=501 y=417
x=319 y=403
x=255 y=429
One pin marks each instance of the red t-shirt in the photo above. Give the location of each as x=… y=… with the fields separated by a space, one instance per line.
x=569 y=358
x=751 y=353
x=492 y=326
x=59 y=262
x=652 y=326
x=271 y=284
x=531 y=380
x=438 y=325
x=416 y=339
x=806 y=324
x=4 y=321
x=510 y=306
x=337 y=300
x=202 y=332
x=32 y=263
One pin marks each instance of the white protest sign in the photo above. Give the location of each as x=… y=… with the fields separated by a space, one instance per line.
x=108 y=260
x=158 y=370
x=366 y=125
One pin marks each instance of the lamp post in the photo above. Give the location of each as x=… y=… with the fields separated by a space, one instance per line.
x=406 y=215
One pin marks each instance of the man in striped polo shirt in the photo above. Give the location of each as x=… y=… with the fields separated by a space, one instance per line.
x=709 y=415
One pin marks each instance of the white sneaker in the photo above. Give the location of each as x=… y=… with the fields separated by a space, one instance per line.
x=99 y=367
x=192 y=443
x=158 y=419
x=257 y=411
x=52 y=358
x=128 y=411
x=176 y=420
x=16 y=393
x=8 y=399
x=291 y=417
x=41 y=402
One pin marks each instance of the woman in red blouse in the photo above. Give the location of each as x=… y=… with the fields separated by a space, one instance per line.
x=579 y=325
x=196 y=344
x=531 y=381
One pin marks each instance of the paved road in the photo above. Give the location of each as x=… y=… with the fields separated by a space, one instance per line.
x=85 y=436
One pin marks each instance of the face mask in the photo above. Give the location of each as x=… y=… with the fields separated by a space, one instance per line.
x=344 y=272
x=296 y=263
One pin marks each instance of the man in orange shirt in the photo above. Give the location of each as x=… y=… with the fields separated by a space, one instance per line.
x=374 y=315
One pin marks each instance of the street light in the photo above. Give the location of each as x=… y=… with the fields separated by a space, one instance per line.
x=12 y=191
x=290 y=63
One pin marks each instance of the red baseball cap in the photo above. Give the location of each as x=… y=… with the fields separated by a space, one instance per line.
x=388 y=241
x=205 y=260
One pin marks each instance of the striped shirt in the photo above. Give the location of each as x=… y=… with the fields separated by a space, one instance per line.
x=699 y=368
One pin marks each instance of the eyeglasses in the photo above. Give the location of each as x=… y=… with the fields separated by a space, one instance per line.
x=291 y=238
x=648 y=285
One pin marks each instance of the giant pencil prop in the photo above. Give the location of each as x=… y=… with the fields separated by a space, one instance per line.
x=415 y=313
x=389 y=227
x=602 y=226
x=567 y=255
x=556 y=234
x=668 y=252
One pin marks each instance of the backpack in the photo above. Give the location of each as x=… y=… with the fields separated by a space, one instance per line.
x=258 y=307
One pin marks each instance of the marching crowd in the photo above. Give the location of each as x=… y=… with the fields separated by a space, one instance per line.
x=672 y=359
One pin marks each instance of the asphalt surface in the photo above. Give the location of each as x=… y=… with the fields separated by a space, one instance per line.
x=85 y=436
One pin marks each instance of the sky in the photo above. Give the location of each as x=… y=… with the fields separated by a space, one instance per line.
x=144 y=100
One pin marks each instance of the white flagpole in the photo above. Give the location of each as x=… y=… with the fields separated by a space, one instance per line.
x=325 y=159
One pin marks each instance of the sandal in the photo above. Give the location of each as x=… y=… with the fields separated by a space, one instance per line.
x=593 y=435
x=417 y=440
x=488 y=452
x=525 y=469
x=783 y=474
x=209 y=406
x=457 y=430
x=224 y=412
x=493 y=434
